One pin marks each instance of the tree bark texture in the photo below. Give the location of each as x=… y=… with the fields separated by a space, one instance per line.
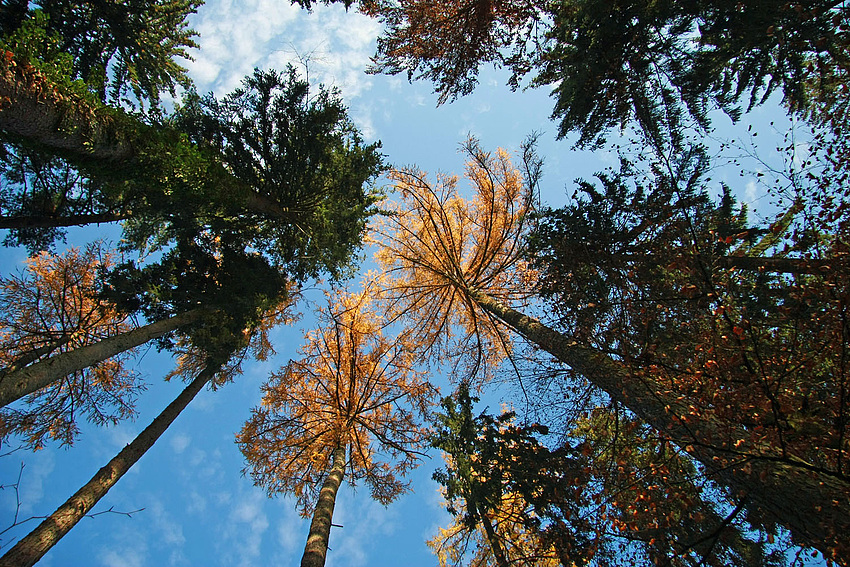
x=34 y=545
x=495 y=544
x=33 y=110
x=20 y=383
x=814 y=504
x=89 y=134
x=320 y=528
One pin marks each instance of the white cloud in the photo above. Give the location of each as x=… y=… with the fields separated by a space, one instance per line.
x=364 y=522
x=244 y=530
x=128 y=554
x=751 y=192
x=179 y=442
x=31 y=488
x=236 y=37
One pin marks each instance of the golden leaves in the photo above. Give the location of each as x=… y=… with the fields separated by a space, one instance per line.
x=353 y=388
x=437 y=248
x=54 y=307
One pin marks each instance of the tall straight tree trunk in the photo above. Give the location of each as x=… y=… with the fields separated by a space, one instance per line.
x=35 y=544
x=17 y=384
x=320 y=528
x=46 y=221
x=493 y=540
x=814 y=504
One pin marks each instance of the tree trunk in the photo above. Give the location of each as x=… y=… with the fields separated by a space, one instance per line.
x=86 y=134
x=18 y=384
x=320 y=528
x=33 y=110
x=493 y=540
x=45 y=221
x=31 y=356
x=814 y=504
x=782 y=265
x=34 y=545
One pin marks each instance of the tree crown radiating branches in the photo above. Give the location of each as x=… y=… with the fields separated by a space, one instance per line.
x=434 y=245
x=353 y=389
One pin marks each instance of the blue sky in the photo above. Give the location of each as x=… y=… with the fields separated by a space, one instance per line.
x=198 y=508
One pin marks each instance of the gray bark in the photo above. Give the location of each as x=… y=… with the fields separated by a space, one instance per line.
x=17 y=384
x=320 y=528
x=813 y=503
x=34 y=545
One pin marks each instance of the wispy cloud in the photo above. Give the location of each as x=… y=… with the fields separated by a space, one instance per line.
x=236 y=37
x=179 y=442
x=243 y=532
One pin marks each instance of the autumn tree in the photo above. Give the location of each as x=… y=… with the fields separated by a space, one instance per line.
x=434 y=244
x=205 y=287
x=351 y=405
x=54 y=307
x=421 y=252
x=654 y=505
x=194 y=364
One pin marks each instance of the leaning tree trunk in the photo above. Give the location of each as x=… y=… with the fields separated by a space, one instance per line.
x=17 y=384
x=320 y=528
x=34 y=545
x=47 y=221
x=493 y=540
x=95 y=138
x=814 y=504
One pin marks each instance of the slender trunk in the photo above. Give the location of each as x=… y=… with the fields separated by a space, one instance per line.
x=29 y=357
x=320 y=528
x=34 y=545
x=18 y=384
x=781 y=265
x=495 y=544
x=814 y=504
x=46 y=221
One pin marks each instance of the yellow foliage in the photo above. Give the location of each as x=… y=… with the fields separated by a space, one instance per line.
x=436 y=248
x=458 y=545
x=352 y=388
x=54 y=307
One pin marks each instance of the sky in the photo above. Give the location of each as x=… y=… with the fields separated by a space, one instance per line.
x=198 y=507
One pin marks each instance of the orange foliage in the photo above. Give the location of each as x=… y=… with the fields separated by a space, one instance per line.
x=353 y=388
x=53 y=307
x=447 y=41
x=436 y=247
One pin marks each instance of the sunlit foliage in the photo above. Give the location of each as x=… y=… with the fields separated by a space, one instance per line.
x=354 y=389
x=435 y=245
x=54 y=307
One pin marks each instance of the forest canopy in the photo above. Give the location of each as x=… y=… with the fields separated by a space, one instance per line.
x=671 y=352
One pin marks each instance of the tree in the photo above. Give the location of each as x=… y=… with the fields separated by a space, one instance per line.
x=195 y=363
x=501 y=480
x=794 y=488
x=205 y=285
x=117 y=48
x=608 y=63
x=54 y=308
x=207 y=167
x=433 y=240
x=353 y=397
